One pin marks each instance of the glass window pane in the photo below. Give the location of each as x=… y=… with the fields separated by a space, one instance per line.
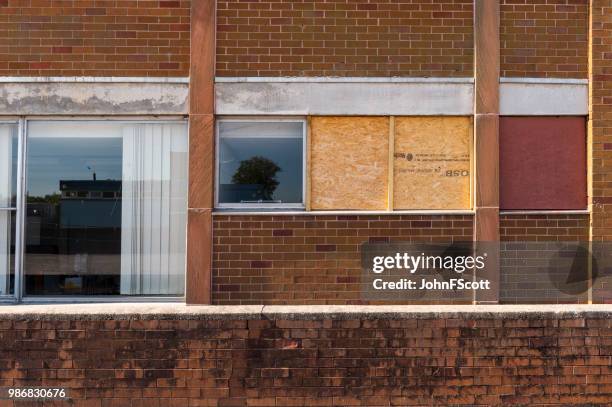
x=106 y=208
x=7 y=252
x=8 y=165
x=260 y=162
x=8 y=182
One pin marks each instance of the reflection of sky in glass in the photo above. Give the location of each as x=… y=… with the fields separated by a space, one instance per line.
x=53 y=159
x=284 y=152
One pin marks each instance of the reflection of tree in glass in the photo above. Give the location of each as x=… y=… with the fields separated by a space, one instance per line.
x=52 y=199
x=258 y=171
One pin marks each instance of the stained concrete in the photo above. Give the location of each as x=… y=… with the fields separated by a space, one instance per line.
x=386 y=96
x=344 y=98
x=93 y=98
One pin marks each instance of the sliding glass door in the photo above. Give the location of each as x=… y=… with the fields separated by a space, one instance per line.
x=104 y=208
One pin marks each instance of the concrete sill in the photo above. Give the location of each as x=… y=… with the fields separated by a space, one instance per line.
x=173 y=311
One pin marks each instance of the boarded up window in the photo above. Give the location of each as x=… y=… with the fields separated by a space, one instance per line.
x=432 y=163
x=349 y=163
x=543 y=163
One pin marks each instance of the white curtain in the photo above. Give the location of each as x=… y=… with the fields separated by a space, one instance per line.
x=6 y=165
x=154 y=209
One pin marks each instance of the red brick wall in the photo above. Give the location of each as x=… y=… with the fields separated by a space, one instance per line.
x=94 y=38
x=443 y=360
x=345 y=38
x=544 y=38
x=310 y=259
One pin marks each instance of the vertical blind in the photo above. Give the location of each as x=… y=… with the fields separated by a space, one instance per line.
x=6 y=165
x=154 y=209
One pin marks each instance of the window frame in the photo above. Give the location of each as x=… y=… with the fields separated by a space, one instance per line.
x=261 y=206
x=18 y=123
x=19 y=295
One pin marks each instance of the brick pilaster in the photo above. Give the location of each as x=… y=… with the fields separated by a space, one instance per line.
x=486 y=136
x=201 y=152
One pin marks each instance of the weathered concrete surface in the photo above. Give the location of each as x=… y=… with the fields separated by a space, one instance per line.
x=345 y=98
x=181 y=311
x=100 y=98
x=431 y=96
x=538 y=97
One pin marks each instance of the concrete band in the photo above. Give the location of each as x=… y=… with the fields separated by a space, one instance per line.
x=94 y=98
x=288 y=96
x=173 y=311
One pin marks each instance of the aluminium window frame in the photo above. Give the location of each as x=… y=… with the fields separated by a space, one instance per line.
x=19 y=295
x=19 y=122
x=261 y=206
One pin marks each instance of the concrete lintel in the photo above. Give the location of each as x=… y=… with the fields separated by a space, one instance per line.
x=344 y=98
x=540 y=98
x=99 y=98
x=310 y=312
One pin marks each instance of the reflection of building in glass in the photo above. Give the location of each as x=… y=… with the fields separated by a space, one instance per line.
x=91 y=204
x=74 y=239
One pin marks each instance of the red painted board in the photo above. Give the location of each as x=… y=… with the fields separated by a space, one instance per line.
x=542 y=163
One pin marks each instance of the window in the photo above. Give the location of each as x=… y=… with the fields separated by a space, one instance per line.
x=8 y=205
x=543 y=163
x=260 y=164
x=105 y=206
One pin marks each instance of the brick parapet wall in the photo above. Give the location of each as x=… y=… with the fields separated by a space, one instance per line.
x=310 y=259
x=476 y=359
x=544 y=38
x=94 y=38
x=345 y=38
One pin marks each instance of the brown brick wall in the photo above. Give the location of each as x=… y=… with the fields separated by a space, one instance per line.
x=440 y=360
x=544 y=38
x=601 y=120
x=524 y=228
x=345 y=38
x=536 y=268
x=310 y=259
x=94 y=38
x=600 y=127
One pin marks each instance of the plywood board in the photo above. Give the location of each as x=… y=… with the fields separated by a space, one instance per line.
x=432 y=163
x=349 y=163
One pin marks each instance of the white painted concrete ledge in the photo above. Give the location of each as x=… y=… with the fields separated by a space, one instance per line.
x=182 y=311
